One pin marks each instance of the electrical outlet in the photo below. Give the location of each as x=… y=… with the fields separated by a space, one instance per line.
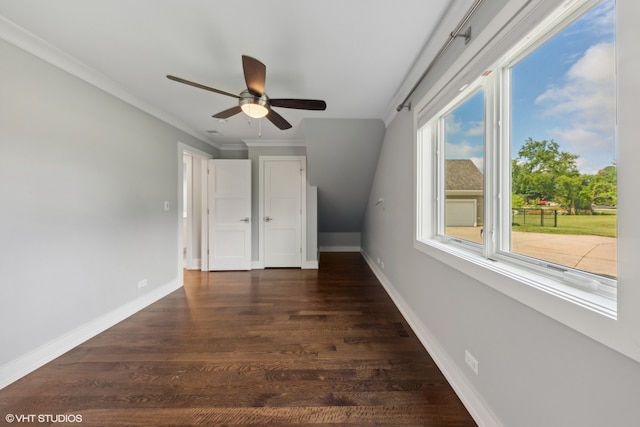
x=142 y=283
x=471 y=361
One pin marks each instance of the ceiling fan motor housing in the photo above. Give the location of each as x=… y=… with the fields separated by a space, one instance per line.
x=254 y=106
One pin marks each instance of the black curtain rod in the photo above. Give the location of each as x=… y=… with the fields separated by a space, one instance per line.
x=457 y=32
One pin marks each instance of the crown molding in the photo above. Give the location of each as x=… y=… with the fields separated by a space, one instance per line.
x=29 y=42
x=274 y=142
x=234 y=147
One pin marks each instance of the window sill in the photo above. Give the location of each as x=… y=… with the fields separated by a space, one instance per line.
x=592 y=315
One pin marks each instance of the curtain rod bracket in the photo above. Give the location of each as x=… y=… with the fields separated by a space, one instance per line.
x=406 y=105
x=466 y=35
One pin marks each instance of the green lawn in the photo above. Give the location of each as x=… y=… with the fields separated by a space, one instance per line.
x=592 y=225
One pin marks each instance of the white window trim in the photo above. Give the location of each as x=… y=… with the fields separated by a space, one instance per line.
x=590 y=314
x=438 y=122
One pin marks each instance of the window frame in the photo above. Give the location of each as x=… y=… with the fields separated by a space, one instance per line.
x=597 y=316
x=439 y=135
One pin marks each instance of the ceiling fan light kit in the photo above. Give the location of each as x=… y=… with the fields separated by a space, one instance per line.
x=253 y=101
x=254 y=106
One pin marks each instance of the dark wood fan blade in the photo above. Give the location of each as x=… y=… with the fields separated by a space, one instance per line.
x=228 y=113
x=255 y=74
x=300 y=104
x=199 y=86
x=278 y=120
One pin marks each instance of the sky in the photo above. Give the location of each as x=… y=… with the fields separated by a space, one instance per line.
x=564 y=90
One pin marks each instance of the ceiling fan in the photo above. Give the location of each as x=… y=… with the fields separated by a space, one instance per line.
x=253 y=101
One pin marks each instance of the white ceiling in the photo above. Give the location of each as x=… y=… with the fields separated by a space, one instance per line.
x=354 y=54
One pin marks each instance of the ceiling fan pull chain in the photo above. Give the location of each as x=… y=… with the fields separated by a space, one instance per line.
x=260 y=128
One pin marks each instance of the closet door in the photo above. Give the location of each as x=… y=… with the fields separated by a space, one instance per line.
x=283 y=213
x=229 y=214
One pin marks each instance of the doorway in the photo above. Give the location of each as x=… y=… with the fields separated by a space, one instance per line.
x=191 y=198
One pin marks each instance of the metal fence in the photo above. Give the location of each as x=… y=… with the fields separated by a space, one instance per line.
x=535 y=216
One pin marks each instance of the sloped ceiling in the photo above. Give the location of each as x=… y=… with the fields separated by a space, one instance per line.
x=360 y=56
x=353 y=54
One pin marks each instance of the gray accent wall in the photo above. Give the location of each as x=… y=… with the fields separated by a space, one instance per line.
x=339 y=242
x=342 y=159
x=234 y=154
x=83 y=182
x=534 y=371
x=312 y=224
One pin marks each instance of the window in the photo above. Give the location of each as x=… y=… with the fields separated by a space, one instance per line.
x=462 y=188
x=517 y=173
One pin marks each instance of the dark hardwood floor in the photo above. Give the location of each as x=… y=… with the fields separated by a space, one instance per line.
x=277 y=346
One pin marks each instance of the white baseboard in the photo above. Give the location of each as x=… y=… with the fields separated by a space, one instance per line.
x=310 y=265
x=340 y=249
x=33 y=360
x=474 y=403
x=194 y=264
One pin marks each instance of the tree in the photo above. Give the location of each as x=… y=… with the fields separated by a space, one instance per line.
x=537 y=170
x=601 y=188
x=568 y=192
x=517 y=201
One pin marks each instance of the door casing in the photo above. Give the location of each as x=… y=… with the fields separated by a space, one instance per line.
x=199 y=156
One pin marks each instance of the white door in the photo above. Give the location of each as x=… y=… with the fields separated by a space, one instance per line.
x=282 y=213
x=229 y=199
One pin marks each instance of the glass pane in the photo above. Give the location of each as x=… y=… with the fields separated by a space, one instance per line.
x=464 y=165
x=564 y=180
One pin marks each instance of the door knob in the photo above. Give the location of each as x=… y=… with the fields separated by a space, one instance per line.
x=267 y=219
x=247 y=219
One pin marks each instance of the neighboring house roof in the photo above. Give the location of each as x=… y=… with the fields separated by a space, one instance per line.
x=463 y=175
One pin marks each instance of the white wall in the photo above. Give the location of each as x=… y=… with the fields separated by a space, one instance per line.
x=83 y=181
x=534 y=371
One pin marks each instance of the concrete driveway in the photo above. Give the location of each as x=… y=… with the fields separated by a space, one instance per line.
x=594 y=254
